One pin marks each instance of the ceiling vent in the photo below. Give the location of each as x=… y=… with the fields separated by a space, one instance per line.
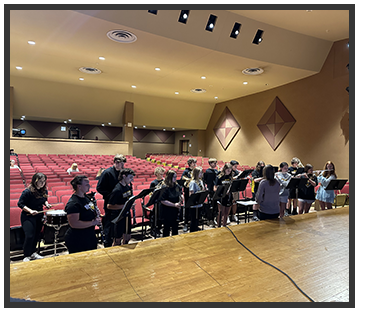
x=89 y=70
x=121 y=36
x=253 y=71
x=198 y=90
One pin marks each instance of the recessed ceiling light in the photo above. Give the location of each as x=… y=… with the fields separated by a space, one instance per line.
x=65 y=121
x=103 y=125
x=157 y=69
x=81 y=79
x=203 y=77
x=134 y=86
x=22 y=118
x=309 y=10
x=101 y=58
x=18 y=67
x=164 y=129
x=69 y=120
x=173 y=128
x=135 y=127
x=31 y=42
x=109 y=123
x=144 y=126
x=266 y=84
x=216 y=97
x=177 y=93
x=245 y=83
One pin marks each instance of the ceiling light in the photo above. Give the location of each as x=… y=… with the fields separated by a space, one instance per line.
x=153 y=11
x=173 y=128
x=177 y=93
x=69 y=120
x=65 y=121
x=164 y=129
x=216 y=97
x=144 y=126
x=31 y=42
x=81 y=79
x=22 y=118
x=245 y=83
x=235 y=30
x=203 y=77
x=135 y=127
x=109 y=123
x=157 y=69
x=101 y=58
x=103 y=125
x=309 y=10
x=18 y=67
x=184 y=14
x=258 y=37
x=211 y=23
x=133 y=86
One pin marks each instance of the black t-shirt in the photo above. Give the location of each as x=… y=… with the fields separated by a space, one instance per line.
x=307 y=192
x=29 y=199
x=120 y=194
x=210 y=178
x=107 y=182
x=155 y=183
x=83 y=206
x=256 y=174
x=227 y=199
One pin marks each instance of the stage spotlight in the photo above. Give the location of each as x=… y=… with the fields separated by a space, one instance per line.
x=211 y=23
x=19 y=132
x=235 y=30
x=152 y=11
x=184 y=14
x=258 y=37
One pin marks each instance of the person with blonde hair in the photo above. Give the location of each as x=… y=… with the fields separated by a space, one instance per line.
x=73 y=168
x=326 y=197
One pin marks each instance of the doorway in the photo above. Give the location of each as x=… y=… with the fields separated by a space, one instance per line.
x=184 y=147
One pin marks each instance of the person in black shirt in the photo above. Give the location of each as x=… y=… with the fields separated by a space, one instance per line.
x=235 y=195
x=82 y=218
x=255 y=181
x=186 y=175
x=293 y=170
x=224 y=205
x=170 y=204
x=119 y=196
x=31 y=202
x=307 y=194
x=107 y=182
x=156 y=225
x=210 y=179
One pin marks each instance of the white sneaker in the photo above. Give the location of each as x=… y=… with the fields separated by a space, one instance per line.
x=228 y=220
x=234 y=218
x=36 y=256
x=26 y=259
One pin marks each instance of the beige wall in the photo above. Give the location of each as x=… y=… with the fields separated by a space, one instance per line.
x=320 y=105
x=67 y=146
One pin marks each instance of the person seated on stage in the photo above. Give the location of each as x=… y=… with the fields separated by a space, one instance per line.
x=326 y=197
x=186 y=175
x=108 y=180
x=170 y=204
x=13 y=165
x=196 y=184
x=307 y=193
x=235 y=195
x=293 y=170
x=256 y=177
x=122 y=191
x=210 y=179
x=156 y=225
x=82 y=218
x=98 y=174
x=73 y=168
x=283 y=178
x=31 y=202
x=267 y=195
x=225 y=203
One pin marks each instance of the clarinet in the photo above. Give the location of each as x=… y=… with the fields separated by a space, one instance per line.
x=91 y=196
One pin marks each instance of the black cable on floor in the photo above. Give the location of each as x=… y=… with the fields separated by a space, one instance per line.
x=278 y=269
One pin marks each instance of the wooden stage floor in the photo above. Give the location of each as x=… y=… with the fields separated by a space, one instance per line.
x=205 y=266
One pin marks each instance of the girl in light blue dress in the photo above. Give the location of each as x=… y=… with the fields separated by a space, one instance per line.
x=326 y=197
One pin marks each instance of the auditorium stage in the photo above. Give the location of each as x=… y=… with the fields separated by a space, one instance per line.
x=205 y=266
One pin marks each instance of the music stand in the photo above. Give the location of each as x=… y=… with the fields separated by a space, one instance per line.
x=220 y=192
x=244 y=174
x=296 y=183
x=154 y=200
x=197 y=199
x=239 y=185
x=336 y=184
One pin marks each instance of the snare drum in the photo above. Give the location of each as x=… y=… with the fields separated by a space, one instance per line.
x=56 y=217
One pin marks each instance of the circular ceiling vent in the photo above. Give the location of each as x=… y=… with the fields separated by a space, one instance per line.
x=89 y=70
x=121 y=36
x=198 y=90
x=253 y=71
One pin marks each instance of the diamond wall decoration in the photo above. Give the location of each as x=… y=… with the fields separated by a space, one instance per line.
x=276 y=123
x=226 y=128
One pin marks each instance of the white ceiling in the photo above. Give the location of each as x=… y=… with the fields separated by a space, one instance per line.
x=295 y=45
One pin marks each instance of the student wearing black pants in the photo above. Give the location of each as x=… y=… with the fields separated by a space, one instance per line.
x=31 y=202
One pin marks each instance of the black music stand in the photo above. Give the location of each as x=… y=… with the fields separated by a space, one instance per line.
x=244 y=174
x=220 y=192
x=296 y=183
x=336 y=184
x=239 y=185
x=197 y=199
x=155 y=199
